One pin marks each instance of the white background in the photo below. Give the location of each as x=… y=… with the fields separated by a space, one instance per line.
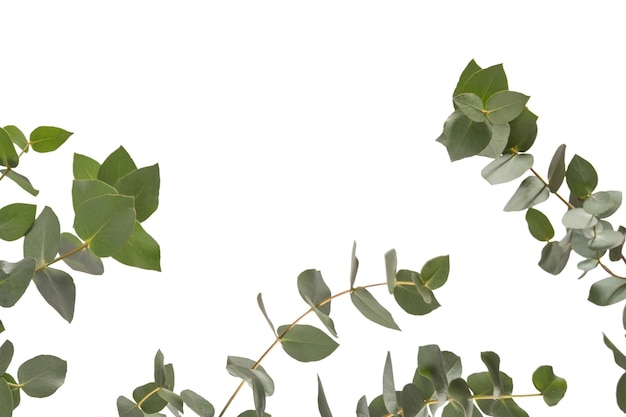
x=285 y=131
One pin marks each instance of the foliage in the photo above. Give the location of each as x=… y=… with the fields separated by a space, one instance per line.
x=111 y=200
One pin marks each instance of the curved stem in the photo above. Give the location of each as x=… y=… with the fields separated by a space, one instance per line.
x=567 y=203
x=291 y=326
x=65 y=255
x=606 y=268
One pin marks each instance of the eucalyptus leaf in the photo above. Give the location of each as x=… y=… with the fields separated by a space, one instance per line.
x=529 y=193
x=43 y=239
x=6 y=355
x=116 y=166
x=430 y=365
x=365 y=302
x=615 y=254
x=492 y=361
x=497 y=143
x=146 y=396
x=554 y=257
x=556 y=171
x=539 y=225
x=48 y=138
x=471 y=105
x=159 y=369
x=391 y=265
x=523 y=131
x=197 y=403
x=322 y=403
x=552 y=387
x=504 y=106
x=460 y=395
x=106 y=222
x=620 y=393
x=306 y=343
x=42 y=375
x=607 y=239
x=578 y=218
x=486 y=82
x=354 y=265
x=15 y=220
x=470 y=69
x=259 y=299
x=14 y=280
x=607 y=291
x=580 y=244
x=581 y=177
x=361 y=408
x=82 y=258
x=85 y=168
x=620 y=358
x=507 y=168
x=6 y=399
x=17 y=137
x=314 y=290
x=245 y=369
x=412 y=400
x=435 y=271
x=603 y=204
x=83 y=190
x=389 y=390
x=140 y=250
x=143 y=185
x=463 y=137
x=21 y=181
x=8 y=155
x=172 y=398
x=410 y=299
x=58 y=289
x=15 y=392
x=324 y=318
x=452 y=365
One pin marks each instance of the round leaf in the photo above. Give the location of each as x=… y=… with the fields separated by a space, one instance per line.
x=42 y=375
x=463 y=137
x=539 y=225
x=578 y=218
x=504 y=106
x=507 y=167
x=581 y=177
x=15 y=220
x=551 y=386
x=556 y=171
x=434 y=273
x=306 y=343
x=608 y=291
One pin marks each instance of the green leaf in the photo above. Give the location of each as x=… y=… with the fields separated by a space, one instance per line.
x=498 y=141
x=306 y=343
x=486 y=82
x=15 y=220
x=492 y=361
x=324 y=318
x=42 y=375
x=556 y=172
x=377 y=406
x=608 y=291
x=435 y=271
x=259 y=299
x=430 y=365
x=243 y=368
x=615 y=254
x=354 y=265
x=8 y=155
x=391 y=264
x=58 y=289
x=146 y=395
x=17 y=137
x=43 y=239
x=606 y=239
x=314 y=290
x=106 y=222
x=412 y=400
x=471 y=105
x=620 y=358
x=172 y=398
x=365 y=302
x=6 y=399
x=523 y=131
x=452 y=365
x=410 y=299
x=463 y=137
x=140 y=250
x=481 y=384
x=581 y=177
x=539 y=225
x=116 y=166
x=471 y=69
x=621 y=393
x=83 y=260
x=361 y=408
x=554 y=257
x=15 y=392
x=529 y=193
x=1 y=327
x=580 y=243
x=14 y=280
x=603 y=204
x=127 y=408
x=578 y=218
x=389 y=390
x=6 y=355
x=252 y=413
x=197 y=404
x=507 y=167
x=85 y=168
x=21 y=181
x=322 y=404
x=83 y=190
x=460 y=396
x=48 y=138
x=159 y=368
x=551 y=386
x=142 y=184
x=169 y=377
x=504 y=106
x=508 y=407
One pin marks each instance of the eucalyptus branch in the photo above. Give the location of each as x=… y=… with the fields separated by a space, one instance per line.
x=560 y=197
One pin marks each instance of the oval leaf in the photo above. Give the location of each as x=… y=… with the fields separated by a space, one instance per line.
x=608 y=291
x=147 y=398
x=410 y=299
x=504 y=106
x=197 y=404
x=578 y=218
x=82 y=258
x=581 y=177
x=507 y=167
x=127 y=408
x=530 y=192
x=48 y=138
x=143 y=185
x=15 y=220
x=463 y=137
x=42 y=375
x=140 y=250
x=6 y=355
x=306 y=343
x=523 y=131
x=8 y=155
x=322 y=404
x=365 y=302
x=471 y=105
x=556 y=172
x=435 y=271
x=551 y=386
x=603 y=204
x=14 y=279
x=58 y=289
x=539 y=225
x=43 y=239
x=314 y=290
x=606 y=239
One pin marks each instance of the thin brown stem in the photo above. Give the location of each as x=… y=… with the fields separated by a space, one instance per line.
x=567 y=203
x=65 y=255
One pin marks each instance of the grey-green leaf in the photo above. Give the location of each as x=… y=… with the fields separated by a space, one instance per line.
x=552 y=387
x=311 y=285
x=463 y=137
x=391 y=264
x=529 y=193
x=6 y=399
x=507 y=167
x=603 y=204
x=554 y=257
x=492 y=361
x=43 y=239
x=581 y=177
x=8 y=155
x=143 y=185
x=6 y=355
x=504 y=106
x=556 y=171
x=620 y=358
x=322 y=403
x=365 y=302
x=607 y=291
x=140 y=250
x=127 y=408
x=430 y=365
x=306 y=343
x=471 y=105
x=435 y=271
x=354 y=265
x=42 y=375
x=14 y=280
x=116 y=166
x=259 y=299
x=58 y=289
x=197 y=403
x=389 y=390
x=21 y=181
x=15 y=220
x=578 y=218
x=82 y=258
x=606 y=239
